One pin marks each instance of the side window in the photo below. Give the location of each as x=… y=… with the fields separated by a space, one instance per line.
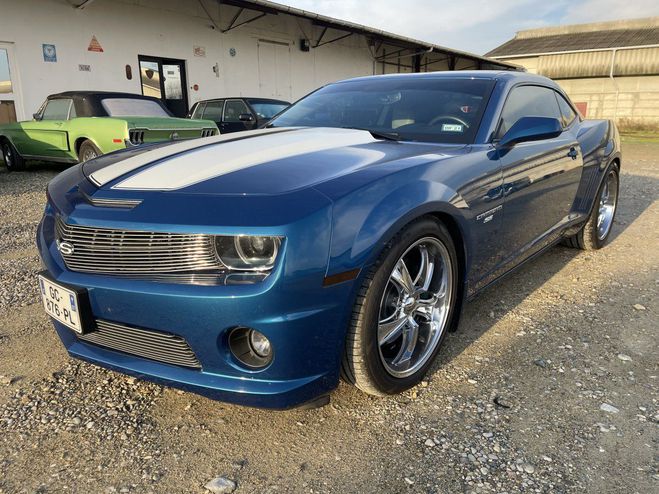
x=233 y=109
x=213 y=111
x=528 y=101
x=56 y=109
x=198 y=110
x=567 y=113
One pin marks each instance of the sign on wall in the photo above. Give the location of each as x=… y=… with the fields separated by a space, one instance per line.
x=94 y=45
x=49 y=53
x=199 y=51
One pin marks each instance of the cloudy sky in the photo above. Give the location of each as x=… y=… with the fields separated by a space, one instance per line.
x=472 y=25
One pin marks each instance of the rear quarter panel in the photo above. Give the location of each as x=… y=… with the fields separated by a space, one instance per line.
x=103 y=132
x=600 y=145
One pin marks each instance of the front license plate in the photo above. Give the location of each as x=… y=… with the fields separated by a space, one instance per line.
x=61 y=303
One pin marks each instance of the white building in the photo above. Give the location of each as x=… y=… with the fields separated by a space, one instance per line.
x=184 y=51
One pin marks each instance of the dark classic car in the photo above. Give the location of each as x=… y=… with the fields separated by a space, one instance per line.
x=343 y=240
x=237 y=114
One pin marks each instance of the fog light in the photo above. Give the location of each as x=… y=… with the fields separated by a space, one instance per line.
x=259 y=343
x=250 y=347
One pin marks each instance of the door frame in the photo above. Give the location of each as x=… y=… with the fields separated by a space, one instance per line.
x=166 y=61
x=16 y=95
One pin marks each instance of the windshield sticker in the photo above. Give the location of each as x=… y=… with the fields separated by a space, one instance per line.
x=452 y=128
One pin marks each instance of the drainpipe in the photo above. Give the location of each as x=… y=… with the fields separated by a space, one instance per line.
x=615 y=83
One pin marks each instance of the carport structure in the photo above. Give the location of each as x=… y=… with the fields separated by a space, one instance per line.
x=391 y=53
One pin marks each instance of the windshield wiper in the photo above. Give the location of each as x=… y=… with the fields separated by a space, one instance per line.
x=387 y=136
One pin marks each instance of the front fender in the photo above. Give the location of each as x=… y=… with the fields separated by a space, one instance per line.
x=367 y=219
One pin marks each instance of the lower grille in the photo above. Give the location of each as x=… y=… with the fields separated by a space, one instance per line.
x=162 y=347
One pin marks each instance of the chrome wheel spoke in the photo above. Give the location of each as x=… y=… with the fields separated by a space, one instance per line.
x=390 y=330
x=401 y=276
x=426 y=270
x=410 y=335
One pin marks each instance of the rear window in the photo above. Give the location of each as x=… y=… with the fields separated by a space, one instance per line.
x=133 y=107
x=266 y=109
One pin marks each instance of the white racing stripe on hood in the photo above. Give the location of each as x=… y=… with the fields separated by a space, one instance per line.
x=112 y=172
x=213 y=161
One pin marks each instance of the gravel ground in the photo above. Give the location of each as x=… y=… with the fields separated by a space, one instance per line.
x=550 y=385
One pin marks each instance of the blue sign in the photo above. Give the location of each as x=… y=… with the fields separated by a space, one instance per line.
x=49 y=53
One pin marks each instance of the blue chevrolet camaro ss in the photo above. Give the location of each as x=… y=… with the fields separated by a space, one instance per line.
x=341 y=240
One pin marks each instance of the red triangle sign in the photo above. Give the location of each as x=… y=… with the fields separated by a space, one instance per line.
x=94 y=45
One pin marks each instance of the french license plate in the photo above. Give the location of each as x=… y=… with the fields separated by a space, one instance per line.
x=61 y=304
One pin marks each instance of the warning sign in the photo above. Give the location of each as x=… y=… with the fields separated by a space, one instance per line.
x=94 y=45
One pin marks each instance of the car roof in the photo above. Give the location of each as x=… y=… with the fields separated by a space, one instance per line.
x=98 y=94
x=501 y=75
x=271 y=100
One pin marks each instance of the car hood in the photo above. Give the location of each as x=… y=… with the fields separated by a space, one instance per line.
x=165 y=123
x=263 y=162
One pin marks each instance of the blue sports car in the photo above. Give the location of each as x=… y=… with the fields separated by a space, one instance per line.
x=342 y=240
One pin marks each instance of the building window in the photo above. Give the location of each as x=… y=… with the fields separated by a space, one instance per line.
x=5 y=76
x=150 y=76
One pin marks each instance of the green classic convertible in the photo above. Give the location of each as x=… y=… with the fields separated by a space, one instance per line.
x=73 y=127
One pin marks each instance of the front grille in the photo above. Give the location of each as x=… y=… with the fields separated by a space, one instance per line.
x=162 y=347
x=134 y=252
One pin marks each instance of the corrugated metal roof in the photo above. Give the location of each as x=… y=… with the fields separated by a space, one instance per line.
x=595 y=40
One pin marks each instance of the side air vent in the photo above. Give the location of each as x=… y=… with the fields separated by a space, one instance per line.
x=207 y=132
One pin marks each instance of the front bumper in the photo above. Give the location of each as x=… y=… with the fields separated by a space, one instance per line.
x=304 y=320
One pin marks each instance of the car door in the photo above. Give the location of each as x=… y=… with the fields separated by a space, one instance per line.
x=213 y=111
x=540 y=178
x=231 y=122
x=47 y=135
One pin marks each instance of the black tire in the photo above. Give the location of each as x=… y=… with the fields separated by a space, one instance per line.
x=13 y=160
x=588 y=238
x=88 y=151
x=362 y=363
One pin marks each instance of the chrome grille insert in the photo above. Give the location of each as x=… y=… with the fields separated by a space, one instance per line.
x=134 y=252
x=162 y=347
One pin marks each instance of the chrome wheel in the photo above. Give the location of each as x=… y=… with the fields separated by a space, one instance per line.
x=415 y=306
x=89 y=154
x=8 y=155
x=608 y=201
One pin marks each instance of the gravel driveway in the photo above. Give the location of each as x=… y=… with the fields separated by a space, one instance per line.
x=550 y=385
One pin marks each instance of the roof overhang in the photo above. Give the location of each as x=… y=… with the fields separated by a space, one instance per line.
x=374 y=36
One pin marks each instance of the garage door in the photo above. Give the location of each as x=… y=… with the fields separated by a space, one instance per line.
x=274 y=70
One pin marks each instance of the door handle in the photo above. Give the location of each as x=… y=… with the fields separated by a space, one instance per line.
x=573 y=153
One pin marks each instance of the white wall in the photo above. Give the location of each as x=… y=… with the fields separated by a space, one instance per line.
x=164 y=28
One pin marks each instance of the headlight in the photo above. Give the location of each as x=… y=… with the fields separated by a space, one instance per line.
x=248 y=252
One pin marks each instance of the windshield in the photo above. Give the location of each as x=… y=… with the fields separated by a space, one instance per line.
x=266 y=109
x=133 y=107
x=414 y=109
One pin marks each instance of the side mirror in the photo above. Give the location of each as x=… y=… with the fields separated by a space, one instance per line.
x=531 y=129
x=246 y=117
x=36 y=116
